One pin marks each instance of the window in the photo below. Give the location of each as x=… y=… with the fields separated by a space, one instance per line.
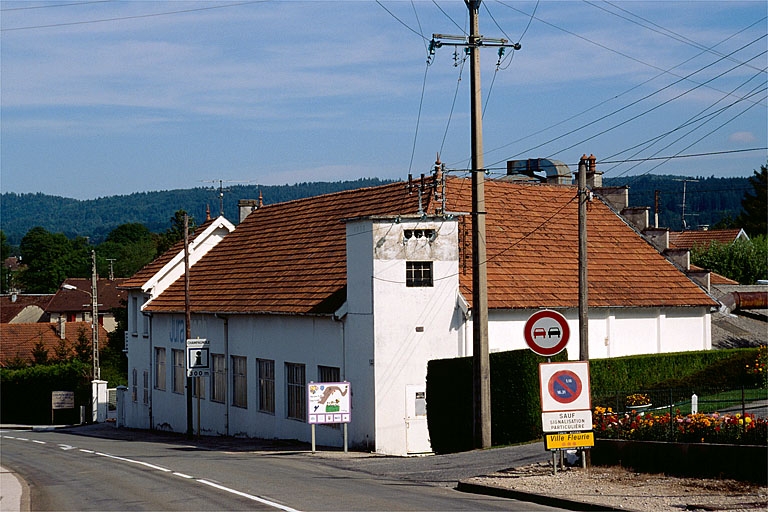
x=239 y=382
x=218 y=378
x=135 y=386
x=135 y=315
x=144 y=323
x=328 y=374
x=418 y=273
x=266 y=369
x=160 y=368
x=297 y=391
x=146 y=387
x=178 y=371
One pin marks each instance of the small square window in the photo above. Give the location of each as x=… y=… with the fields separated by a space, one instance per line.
x=418 y=273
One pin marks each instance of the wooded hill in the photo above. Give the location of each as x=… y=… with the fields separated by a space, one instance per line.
x=708 y=201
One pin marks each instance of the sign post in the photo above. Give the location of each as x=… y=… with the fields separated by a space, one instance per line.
x=198 y=365
x=329 y=402
x=566 y=406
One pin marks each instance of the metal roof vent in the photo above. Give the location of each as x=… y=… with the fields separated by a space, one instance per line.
x=554 y=171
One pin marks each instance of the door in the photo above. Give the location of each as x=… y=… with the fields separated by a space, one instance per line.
x=416 y=431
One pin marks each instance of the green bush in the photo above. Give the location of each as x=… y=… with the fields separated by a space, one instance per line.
x=25 y=394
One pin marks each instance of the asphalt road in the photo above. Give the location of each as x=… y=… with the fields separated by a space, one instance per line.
x=102 y=468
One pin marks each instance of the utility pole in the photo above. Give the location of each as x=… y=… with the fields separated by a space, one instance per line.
x=481 y=377
x=682 y=216
x=583 y=195
x=95 y=317
x=187 y=319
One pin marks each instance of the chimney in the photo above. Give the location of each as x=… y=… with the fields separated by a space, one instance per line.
x=246 y=206
x=594 y=177
x=62 y=327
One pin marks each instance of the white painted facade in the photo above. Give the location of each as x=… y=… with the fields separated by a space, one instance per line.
x=380 y=340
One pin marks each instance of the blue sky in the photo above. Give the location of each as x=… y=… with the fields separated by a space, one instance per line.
x=111 y=98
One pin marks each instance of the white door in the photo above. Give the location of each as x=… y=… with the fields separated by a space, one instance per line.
x=416 y=431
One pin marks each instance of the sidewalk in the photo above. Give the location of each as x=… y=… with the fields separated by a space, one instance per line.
x=10 y=491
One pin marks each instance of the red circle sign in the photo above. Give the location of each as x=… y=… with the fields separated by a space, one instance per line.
x=546 y=332
x=564 y=386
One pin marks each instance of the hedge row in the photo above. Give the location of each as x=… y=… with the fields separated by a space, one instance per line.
x=515 y=400
x=25 y=394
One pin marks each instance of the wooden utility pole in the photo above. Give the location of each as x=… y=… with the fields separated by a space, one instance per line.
x=187 y=319
x=583 y=195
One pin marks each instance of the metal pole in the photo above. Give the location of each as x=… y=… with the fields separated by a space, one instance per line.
x=583 y=292
x=95 y=317
x=188 y=319
x=481 y=363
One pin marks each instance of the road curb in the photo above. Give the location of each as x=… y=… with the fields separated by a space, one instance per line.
x=540 y=499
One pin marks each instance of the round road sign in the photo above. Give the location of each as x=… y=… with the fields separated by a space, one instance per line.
x=546 y=332
x=564 y=386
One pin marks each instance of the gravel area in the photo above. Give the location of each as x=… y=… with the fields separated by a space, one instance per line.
x=620 y=488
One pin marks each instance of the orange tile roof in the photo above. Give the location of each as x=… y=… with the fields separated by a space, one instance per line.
x=688 y=239
x=291 y=257
x=10 y=307
x=108 y=293
x=714 y=277
x=17 y=341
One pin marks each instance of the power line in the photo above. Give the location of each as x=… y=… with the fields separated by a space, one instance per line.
x=48 y=6
x=401 y=21
x=137 y=16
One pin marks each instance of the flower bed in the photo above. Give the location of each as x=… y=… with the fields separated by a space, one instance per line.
x=691 y=428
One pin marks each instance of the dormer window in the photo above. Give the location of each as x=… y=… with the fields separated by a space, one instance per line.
x=418 y=274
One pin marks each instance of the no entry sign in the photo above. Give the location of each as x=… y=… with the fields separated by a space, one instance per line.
x=546 y=332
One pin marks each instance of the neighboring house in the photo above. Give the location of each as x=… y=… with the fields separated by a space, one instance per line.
x=74 y=305
x=704 y=237
x=146 y=284
x=17 y=308
x=368 y=285
x=19 y=341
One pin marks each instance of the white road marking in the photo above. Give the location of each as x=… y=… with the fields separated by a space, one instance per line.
x=22 y=439
x=147 y=464
x=38 y=442
x=9 y=437
x=182 y=475
x=249 y=496
x=66 y=447
x=86 y=451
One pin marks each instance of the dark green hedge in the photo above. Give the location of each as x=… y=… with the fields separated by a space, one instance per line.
x=25 y=394
x=515 y=400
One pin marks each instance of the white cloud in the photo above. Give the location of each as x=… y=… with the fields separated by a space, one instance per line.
x=742 y=137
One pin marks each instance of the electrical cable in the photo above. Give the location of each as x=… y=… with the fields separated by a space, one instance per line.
x=401 y=21
x=583 y=112
x=135 y=17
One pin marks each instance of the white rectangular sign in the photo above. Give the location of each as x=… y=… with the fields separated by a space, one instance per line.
x=565 y=386
x=566 y=421
x=198 y=364
x=329 y=402
x=62 y=399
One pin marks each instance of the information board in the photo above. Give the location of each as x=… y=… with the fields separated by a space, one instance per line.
x=329 y=402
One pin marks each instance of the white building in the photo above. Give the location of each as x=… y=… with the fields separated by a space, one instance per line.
x=369 y=285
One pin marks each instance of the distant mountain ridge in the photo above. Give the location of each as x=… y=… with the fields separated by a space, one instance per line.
x=708 y=201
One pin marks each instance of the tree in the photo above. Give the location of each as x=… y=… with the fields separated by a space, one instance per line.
x=39 y=352
x=754 y=218
x=50 y=259
x=5 y=274
x=744 y=261
x=131 y=246
x=176 y=232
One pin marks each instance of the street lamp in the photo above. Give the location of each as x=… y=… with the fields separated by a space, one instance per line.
x=94 y=315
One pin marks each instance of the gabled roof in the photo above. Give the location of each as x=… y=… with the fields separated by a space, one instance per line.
x=689 y=239
x=12 y=305
x=66 y=301
x=147 y=277
x=291 y=257
x=17 y=341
